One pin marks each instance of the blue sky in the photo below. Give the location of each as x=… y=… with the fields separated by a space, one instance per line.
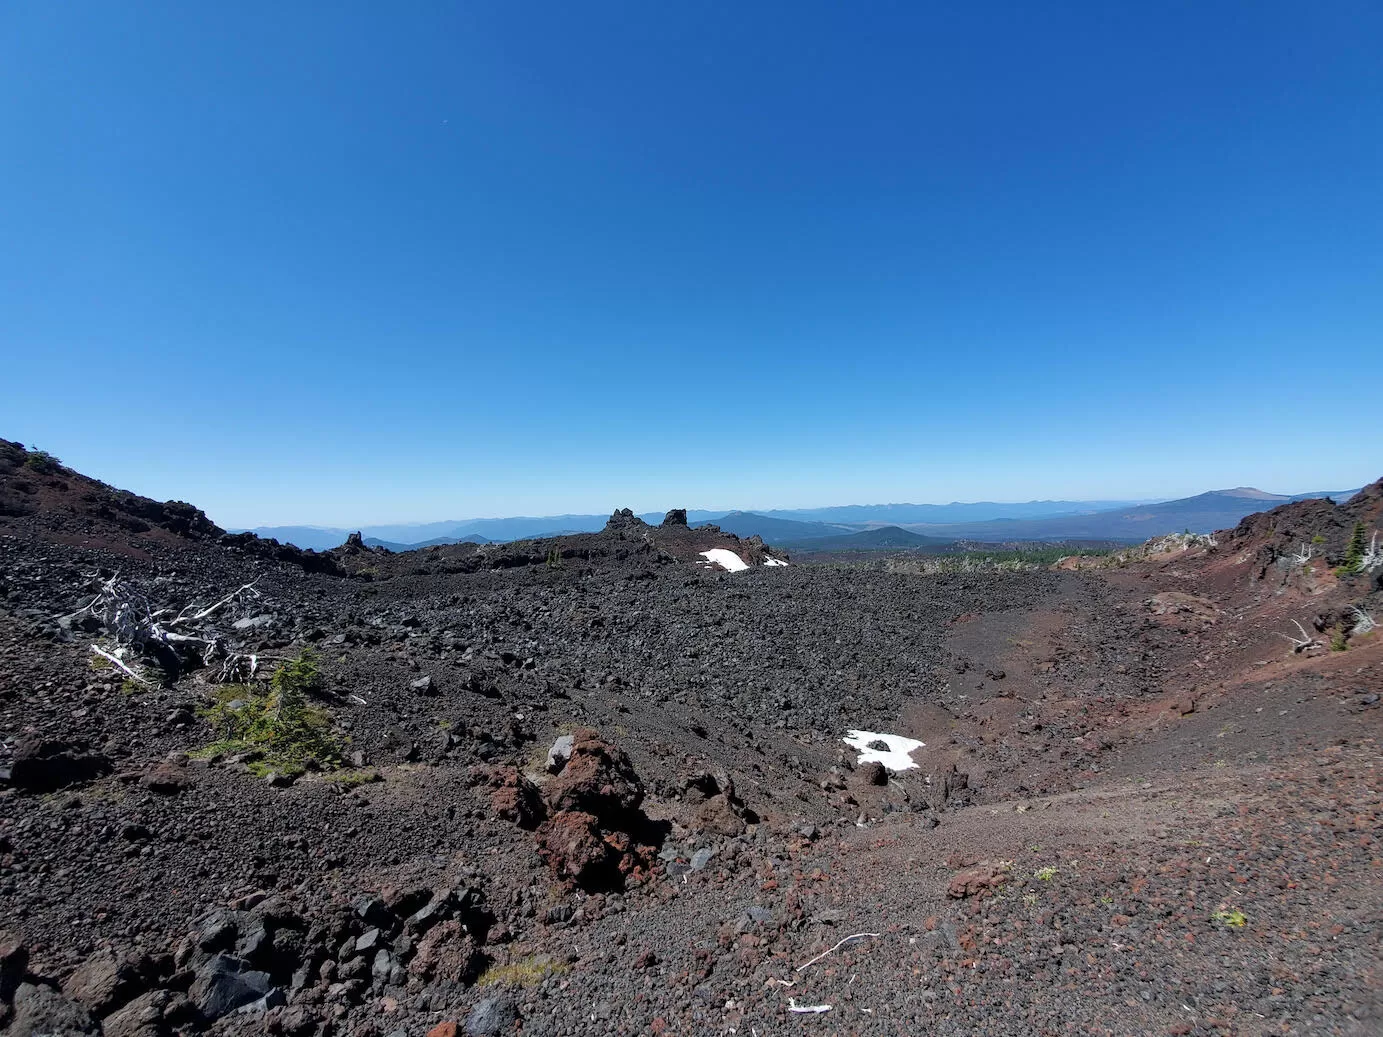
x=360 y=262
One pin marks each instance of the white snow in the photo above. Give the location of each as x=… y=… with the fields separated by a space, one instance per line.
x=898 y=755
x=727 y=560
x=774 y=561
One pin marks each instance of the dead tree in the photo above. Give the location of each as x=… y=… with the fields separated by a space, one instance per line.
x=188 y=639
x=1301 y=644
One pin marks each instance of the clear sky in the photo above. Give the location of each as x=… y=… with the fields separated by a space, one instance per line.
x=358 y=262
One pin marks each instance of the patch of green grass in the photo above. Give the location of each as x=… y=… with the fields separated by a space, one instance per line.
x=526 y=972
x=278 y=730
x=1046 y=874
x=1230 y=917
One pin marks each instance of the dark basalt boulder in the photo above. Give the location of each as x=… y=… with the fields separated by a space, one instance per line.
x=675 y=517
x=45 y=764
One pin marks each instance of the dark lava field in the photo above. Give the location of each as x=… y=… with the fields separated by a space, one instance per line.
x=597 y=785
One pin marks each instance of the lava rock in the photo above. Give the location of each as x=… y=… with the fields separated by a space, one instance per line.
x=14 y=960
x=102 y=983
x=597 y=780
x=514 y=798
x=492 y=1015
x=448 y=953
x=976 y=881
x=40 y=1011
x=873 y=773
x=574 y=847
x=224 y=984
x=45 y=764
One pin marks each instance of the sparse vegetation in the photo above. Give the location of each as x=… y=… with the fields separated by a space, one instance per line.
x=1338 y=640
x=1024 y=559
x=42 y=461
x=1045 y=874
x=351 y=778
x=1230 y=918
x=526 y=972
x=279 y=730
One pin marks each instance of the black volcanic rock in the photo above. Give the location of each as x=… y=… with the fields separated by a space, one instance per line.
x=45 y=764
x=675 y=517
x=624 y=518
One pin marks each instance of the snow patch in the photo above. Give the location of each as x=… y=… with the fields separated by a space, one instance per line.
x=898 y=755
x=727 y=560
x=774 y=561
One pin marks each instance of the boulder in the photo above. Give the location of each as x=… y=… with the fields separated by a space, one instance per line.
x=166 y=778
x=578 y=853
x=447 y=953
x=103 y=983
x=493 y=1015
x=873 y=773
x=559 y=754
x=40 y=1011
x=224 y=984
x=142 y=1017
x=597 y=780
x=45 y=764
x=514 y=798
x=977 y=881
x=675 y=517
x=14 y=960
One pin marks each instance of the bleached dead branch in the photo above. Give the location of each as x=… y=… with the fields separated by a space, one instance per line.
x=794 y=1007
x=1303 y=556
x=838 y=946
x=1302 y=643
x=124 y=612
x=1363 y=622
x=1372 y=558
x=240 y=594
x=116 y=661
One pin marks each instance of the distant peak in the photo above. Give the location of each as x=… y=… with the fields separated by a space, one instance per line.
x=1251 y=492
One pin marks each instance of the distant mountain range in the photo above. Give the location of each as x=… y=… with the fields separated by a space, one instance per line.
x=1203 y=513
x=984 y=521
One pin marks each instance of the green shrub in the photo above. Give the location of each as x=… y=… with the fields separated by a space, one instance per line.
x=280 y=730
x=1230 y=917
x=42 y=461
x=1354 y=553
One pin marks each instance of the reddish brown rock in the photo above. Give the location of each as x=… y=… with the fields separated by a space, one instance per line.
x=167 y=779
x=597 y=780
x=979 y=880
x=720 y=816
x=514 y=798
x=576 y=850
x=873 y=773
x=447 y=952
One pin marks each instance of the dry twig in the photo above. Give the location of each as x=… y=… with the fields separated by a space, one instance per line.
x=832 y=950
